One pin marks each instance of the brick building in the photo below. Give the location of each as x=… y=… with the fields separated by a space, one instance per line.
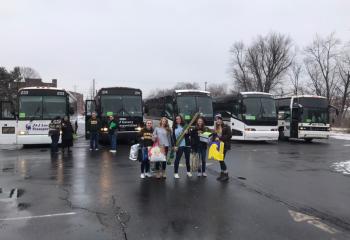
x=36 y=82
x=80 y=102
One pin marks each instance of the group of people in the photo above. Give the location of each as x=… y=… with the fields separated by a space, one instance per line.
x=60 y=126
x=166 y=138
x=93 y=128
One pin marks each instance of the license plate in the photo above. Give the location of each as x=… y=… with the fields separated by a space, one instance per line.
x=8 y=130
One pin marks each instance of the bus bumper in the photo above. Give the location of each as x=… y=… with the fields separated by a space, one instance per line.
x=261 y=135
x=34 y=139
x=314 y=134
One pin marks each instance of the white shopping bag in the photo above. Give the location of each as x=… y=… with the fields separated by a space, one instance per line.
x=134 y=152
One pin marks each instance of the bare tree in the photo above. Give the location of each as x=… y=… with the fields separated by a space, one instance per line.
x=295 y=75
x=343 y=87
x=217 y=89
x=186 y=85
x=321 y=64
x=180 y=85
x=240 y=72
x=28 y=72
x=262 y=66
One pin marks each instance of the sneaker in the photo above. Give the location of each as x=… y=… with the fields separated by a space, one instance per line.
x=113 y=151
x=204 y=174
x=164 y=175
x=176 y=175
x=189 y=174
x=220 y=176
x=199 y=174
x=96 y=149
x=158 y=175
x=225 y=178
x=142 y=175
x=148 y=174
x=90 y=149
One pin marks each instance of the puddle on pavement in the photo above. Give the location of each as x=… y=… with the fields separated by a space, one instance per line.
x=241 y=178
x=23 y=206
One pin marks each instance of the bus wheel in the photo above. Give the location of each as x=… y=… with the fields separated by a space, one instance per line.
x=308 y=140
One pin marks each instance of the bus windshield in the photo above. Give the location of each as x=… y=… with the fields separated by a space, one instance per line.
x=188 y=105
x=315 y=110
x=30 y=107
x=127 y=106
x=259 y=109
x=54 y=106
x=42 y=107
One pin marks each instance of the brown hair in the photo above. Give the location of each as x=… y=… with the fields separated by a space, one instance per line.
x=203 y=120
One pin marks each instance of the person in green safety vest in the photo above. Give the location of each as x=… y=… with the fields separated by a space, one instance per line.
x=112 y=133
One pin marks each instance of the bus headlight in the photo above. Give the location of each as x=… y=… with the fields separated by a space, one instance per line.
x=104 y=129
x=250 y=129
x=302 y=128
x=138 y=129
x=23 y=132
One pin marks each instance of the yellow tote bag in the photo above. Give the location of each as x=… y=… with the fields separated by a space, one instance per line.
x=216 y=151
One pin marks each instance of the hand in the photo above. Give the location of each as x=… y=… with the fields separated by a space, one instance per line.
x=176 y=148
x=142 y=138
x=217 y=139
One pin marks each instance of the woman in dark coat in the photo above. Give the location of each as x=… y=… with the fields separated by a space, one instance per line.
x=67 y=134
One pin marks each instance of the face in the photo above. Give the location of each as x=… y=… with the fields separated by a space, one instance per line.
x=200 y=122
x=149 y=124
x=219 y=121
x=163 y=122
x=178 y=120
x=93 y=115
x=65 y=118
x=111 y=118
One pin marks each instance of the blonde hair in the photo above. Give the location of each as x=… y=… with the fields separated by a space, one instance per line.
x=166 y=125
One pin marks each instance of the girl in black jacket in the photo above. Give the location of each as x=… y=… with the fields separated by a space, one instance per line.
x=146 y=140
x=199 y=147
x=67 y=134
x=223 y=133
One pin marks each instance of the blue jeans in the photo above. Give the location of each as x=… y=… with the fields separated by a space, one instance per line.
x=202 y=152
x=94 y=140
x=113 y=140
x=54 y=143
x=179 y=153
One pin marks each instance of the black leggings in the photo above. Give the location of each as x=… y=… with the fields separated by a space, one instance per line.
x=222 y=163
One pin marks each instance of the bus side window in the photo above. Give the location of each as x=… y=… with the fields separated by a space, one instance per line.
x=169 y=111
x=7 y=112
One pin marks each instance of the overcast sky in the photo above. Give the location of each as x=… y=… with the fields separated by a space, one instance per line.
x=151 y=43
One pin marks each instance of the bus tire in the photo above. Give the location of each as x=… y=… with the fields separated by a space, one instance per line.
x=308 y=140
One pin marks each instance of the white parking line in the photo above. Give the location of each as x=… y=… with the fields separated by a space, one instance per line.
x=39 y=216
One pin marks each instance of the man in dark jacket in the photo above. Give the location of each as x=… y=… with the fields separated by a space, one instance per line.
x=93 y=127
x=54 y=133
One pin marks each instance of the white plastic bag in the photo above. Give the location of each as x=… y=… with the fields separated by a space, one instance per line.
x=134 y=152
x=156 y=154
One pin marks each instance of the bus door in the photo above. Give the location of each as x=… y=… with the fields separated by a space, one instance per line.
x=90 y=107
x=294 y=125
x=8 y=124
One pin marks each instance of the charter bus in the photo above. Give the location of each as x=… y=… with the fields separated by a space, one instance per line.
x=181 y=102
x=8 y=123
x=125 y=104
x=303 y=117
x=37 y=106
x=252 y=116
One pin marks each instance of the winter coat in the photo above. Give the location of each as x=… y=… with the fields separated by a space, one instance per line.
x=67 y=130
x=112 y=127
x=226 y=136
x=187 y=138
x=146 y=137
x=55 y=127
x=93 y=125
x=195 y=139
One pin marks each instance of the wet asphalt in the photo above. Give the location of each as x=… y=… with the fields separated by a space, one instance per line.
x=278 y=191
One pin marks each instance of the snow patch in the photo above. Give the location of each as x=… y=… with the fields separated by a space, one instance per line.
x=342 y=167
x=341 y=136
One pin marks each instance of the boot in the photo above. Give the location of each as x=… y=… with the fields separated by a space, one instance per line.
x=225 y=178
x=220 y=176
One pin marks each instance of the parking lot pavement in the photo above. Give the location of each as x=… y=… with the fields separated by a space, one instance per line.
x=289 y=190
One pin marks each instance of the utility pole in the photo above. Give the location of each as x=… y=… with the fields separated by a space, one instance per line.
x=93 y=88
x=205 y=86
